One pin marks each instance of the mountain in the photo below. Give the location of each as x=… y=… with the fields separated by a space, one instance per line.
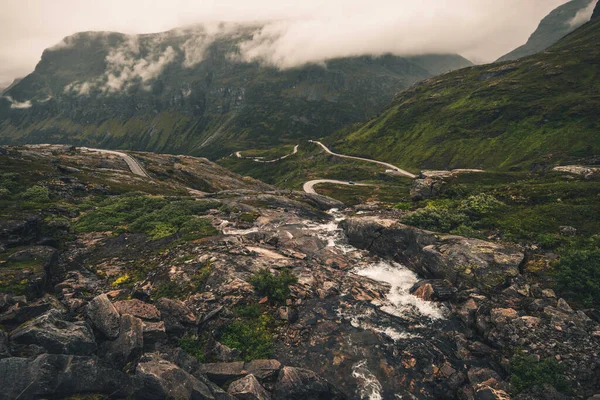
x=556 y=25
x=596 y=13
x=196 y=91
x=539 y=109
x=13 y=83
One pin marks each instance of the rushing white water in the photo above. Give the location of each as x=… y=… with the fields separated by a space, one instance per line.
x=369 y=387
x=400 y=302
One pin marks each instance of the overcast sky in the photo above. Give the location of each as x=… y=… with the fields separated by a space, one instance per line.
x=308 y=30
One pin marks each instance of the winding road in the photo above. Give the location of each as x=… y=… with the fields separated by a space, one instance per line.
x=390 y=166
x=238 y=154
x=309 y=187
x=133 y=165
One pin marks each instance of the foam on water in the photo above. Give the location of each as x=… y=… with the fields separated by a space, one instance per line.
x=369 y=387
x=401 y=279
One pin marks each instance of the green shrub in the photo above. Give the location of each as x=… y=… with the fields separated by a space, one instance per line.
x=276 y=287
x=35 y=194
x=252 y=337
x=526 y=371
x=199 y=279
x=578 y=275
x=436 y=218
x=479 y=205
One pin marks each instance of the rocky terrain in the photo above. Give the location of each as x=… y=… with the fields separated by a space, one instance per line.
x=198 y=283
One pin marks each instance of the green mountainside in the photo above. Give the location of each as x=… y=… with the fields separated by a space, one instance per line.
x=540 y=109
x=191 y=91
x=552 y=28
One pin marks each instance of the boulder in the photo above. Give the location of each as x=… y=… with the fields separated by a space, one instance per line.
x=153 y=332
x=60 y=376
x=460 y=260
x=248 y=388
x=104 y=316
x=176 y=315
x=221 y=373
x=139 y=309
x=426 y=188
x=434 y=290
x=128 y=345
x=263 y=370
x=301 y=384
x=55 y=335
x=160 y=379
x=19 y=313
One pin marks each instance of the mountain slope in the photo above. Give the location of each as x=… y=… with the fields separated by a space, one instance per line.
x=195 y=91
x=556 y=25
x=539 y=109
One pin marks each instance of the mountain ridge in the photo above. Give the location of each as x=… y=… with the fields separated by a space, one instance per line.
x=560 y=22
x=192 y=91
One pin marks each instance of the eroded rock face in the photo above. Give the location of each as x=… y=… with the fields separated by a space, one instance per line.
x=56 y=335
x=61 y=376
x=482 y=264
x=248 y=388
x=104 y=316
x=161 y=379
x=176 y=315
x=128 y=345
x=139 y=309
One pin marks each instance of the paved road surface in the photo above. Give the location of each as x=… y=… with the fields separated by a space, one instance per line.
x=390 y=166
x=309 y=186
x=133 y=165
x=238 y=154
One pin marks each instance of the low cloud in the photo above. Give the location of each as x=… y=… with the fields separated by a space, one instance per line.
x=18 y=105
x=584 y=15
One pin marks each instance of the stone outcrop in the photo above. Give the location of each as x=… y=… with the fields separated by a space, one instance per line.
x=460 y=260
x=160 y=379
x=60 y=376
x=56 y=335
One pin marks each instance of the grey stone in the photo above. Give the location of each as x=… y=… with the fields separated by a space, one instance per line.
x=160 y=379
x=139 y=309
x=248 y=388
x=55 y=335
x=59 y=376
x=104 y=316
x=128 y=346
x=221 y=373
x=176 y=315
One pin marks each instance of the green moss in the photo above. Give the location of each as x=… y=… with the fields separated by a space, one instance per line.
x=194 y=345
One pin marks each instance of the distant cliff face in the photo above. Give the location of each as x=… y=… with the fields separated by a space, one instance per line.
x=196 y=91
x=553 y=27
x=596 y=13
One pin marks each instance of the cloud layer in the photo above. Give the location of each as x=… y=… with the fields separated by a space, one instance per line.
x=307 y=31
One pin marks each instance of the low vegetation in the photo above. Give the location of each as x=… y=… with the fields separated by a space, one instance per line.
x=275 y=287
x=527 y=371
x=157 y=217
x=250 y=333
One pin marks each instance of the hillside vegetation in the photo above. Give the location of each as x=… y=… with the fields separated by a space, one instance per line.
x=540 y=109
